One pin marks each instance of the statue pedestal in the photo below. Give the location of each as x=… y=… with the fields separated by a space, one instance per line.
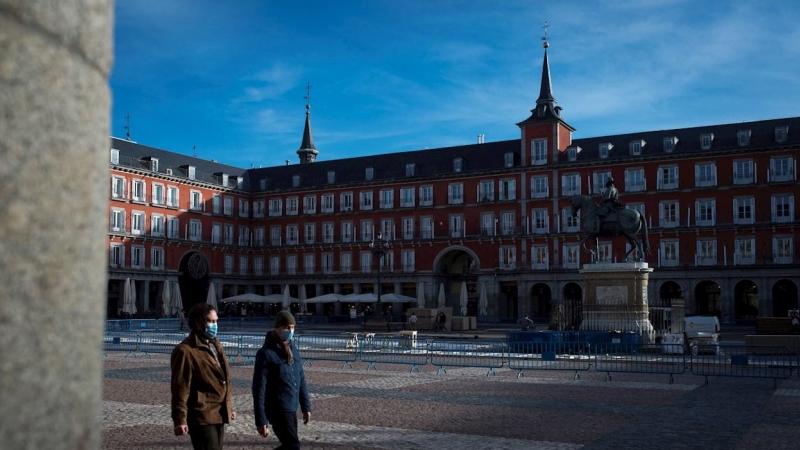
x=615 y=298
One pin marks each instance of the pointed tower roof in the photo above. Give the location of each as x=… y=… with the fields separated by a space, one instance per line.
x=546 y=109
x=307 y=152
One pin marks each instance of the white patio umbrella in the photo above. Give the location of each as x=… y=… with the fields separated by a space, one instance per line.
x=133 y=298
x=165 y=300
x=483 y=301
x=394 y=297
x=211 y=298
x=177 y=301
x=254 y=298
x=287 y=302
x=325 y=298
x=126 y=296
x=441 y=296
x=302 y=297
x=420 y=296
x=463 y=298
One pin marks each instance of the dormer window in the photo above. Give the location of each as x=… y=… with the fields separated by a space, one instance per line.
x=670 y=143
x=224 y=179
x=410 y=170
x=572 y=153
x=114 y=156
x=239 y=181
x=743 y=138
x=508 y=160
x=458 y=165
x=636 y=147
x=154 y=164
x=604 y=150
x=369 y=173
x=263 y=183
x=781 y=133
x=191 y=172
x=295 y=180
x=705 y=141
x=331 y=176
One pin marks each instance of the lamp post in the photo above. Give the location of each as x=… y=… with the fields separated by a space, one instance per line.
x=379 y=249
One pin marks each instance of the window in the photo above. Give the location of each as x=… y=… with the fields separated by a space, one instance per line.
x=243 y=264
x=408 y=228
x=138 y=194
x=274 y=265
x=407 y=197
x=275 y=235
x=387 y=199
x=705 y=141
x=216 y=233
x=309 y=260
x=365 y=202
x=572 y=257
x=346 y=201
x=114 y=156
x=117 y=256
x=458 y=165
x=508 y=189
x=599 y=181
x=571 y=184
x=292 y=206
x=456 y=226
x=636 y=147
x=195 y=200
x=227 y=206
x=743 y=172
x=366 y=262
x=426 y=227
x=669 y=253
x=156 y=225
x=743 y=211
x=387 y=229
x=604 y=150
x=634 y=180
x=540 y=257
x=172 y=196
x=541 y=221
x=346 y=262
x=426 y=196
x=744 y=251
x=295 y=180
x=275 y=207
x=783 y=208
x=137 y=257
x=190 y=172
x=291 y=235
x=117 y=220
x=508 y=160
x=706 y=252
x=508 y=258
x=227 y=234
x=310 y=204
x=258 y=265
x=173 y=227
x=540 y=187
x=158 y=197
x=507 y=223
x=137 y=222
x=244 y=207
x=571 y=223
x=366 y=230
x=743 y=138
x=156 y=258
x=410 y=170
x=228 y=264
x=310 y=232
x=781 y=133
x=258 y=209
x=195 y=230
x=327 y=203
x=638 y=207
x=604 y=254
x=486 y=191
x=369 y=173
x=331 y=177
x=667 y=177
x=783 y=250
x=487 y=224
x=539 y=152
x=117 y=187
x=705 y=174
x=572 y=153
x=455 y=193
x=258 y=237
x=781 y=169
x=327 y=263
x=409 y=264
x=216 y=204
x=291 y=264
x=327 y=232
x=705 y=211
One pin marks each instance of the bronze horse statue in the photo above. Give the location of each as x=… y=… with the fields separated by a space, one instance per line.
x=623 y=222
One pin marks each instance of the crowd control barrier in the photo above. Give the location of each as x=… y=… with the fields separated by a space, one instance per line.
x=153 y=342
x=752 y=361
x=328 y=348
x=571 y=356
x=121 y=341
x=489 y=354
x=637 y=358
x=392 y=350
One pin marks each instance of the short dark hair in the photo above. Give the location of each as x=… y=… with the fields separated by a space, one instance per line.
x=198 y=314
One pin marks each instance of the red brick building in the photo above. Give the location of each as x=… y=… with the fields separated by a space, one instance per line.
x=718 y=201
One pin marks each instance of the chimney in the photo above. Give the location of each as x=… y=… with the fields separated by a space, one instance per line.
x=480 y=138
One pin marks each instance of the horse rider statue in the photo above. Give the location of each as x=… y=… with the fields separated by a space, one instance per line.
x=610 y=203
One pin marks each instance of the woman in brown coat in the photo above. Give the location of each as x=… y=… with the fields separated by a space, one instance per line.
x=201 y=382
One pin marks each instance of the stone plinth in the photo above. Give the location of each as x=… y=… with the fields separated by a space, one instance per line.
x=615 y=298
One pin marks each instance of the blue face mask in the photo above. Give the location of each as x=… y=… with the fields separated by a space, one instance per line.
x=211 y=330
x=286 y=334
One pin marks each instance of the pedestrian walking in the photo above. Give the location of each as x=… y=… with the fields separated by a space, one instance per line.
x=279 y=384
x=201 y=382
x=412 y=321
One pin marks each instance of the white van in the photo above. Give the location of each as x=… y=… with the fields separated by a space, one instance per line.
x=702 y=331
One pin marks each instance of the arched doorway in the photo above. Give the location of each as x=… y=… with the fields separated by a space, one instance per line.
x=784 y=298
x=572 y=314
x=194 y=279
x=456 y=265
x=708 y=299
x=541 y=301
x=746 y=294
x=661 y=309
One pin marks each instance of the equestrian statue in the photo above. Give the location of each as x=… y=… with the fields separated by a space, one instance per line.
x=609 y=220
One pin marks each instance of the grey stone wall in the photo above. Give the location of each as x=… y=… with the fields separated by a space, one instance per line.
x=55 y=57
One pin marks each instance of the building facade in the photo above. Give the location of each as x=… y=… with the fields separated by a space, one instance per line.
x=495 y=216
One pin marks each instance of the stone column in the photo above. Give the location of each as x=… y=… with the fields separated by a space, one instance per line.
x=55 y=59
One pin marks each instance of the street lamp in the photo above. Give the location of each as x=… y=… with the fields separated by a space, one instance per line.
x=379 y=249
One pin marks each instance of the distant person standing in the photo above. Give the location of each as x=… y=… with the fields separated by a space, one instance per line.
x=201 y=382
x=525 y=323
x=412 y=322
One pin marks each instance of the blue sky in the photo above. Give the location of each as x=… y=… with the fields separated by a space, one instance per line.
x=230 y=76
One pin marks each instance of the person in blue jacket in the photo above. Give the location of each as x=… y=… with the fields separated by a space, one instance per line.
x=279 y=384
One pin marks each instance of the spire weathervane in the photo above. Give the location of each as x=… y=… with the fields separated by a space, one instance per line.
x=307 y=97
x=545 y=44
x=128 y=126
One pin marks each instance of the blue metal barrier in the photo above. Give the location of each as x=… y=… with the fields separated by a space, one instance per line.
x=120 y=341
x=170 y=324
x=342 y=349
x=489 y=354
x=753 y=361
x=637 y=358
x=572 y=356
x=393 y=350
x=249 y=344
x=232 y=344
x=163 y=342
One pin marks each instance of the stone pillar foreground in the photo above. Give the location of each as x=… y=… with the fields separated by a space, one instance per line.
x=54 y=156
x=615 y=298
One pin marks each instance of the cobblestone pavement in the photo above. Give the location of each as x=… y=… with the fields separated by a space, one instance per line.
x=392 y=408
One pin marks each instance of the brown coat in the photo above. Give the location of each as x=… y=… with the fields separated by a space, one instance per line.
x=201 y=389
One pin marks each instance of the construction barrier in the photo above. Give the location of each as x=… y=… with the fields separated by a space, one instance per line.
x=637 y=358
x=752 y=361
x=489 y=354
x=572 y=356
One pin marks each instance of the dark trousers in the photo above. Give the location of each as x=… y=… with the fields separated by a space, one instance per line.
x=284 y=424
x=207 y=437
